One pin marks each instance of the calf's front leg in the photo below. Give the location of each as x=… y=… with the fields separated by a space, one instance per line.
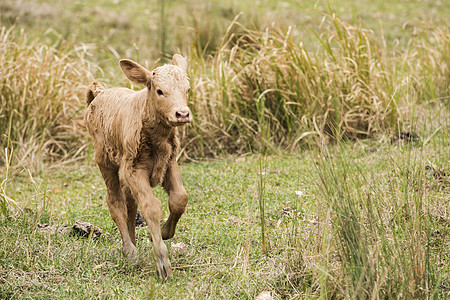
x=177 y=199
x=138 y=183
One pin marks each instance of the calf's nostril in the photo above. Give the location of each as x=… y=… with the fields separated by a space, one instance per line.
x=182 y=114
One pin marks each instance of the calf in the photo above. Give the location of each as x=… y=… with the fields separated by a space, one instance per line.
x=134 y=134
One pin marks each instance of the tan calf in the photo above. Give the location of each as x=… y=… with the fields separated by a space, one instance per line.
x=135 y=140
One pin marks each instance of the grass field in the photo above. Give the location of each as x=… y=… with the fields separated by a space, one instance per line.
x=400 y=238
x=296 y=182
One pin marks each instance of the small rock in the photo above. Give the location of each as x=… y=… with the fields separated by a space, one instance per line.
x=266 y=295
x=299 y=193
x=404 y=137
x=240 y=159
x=177 y=249
x=235 y=220
x=85 y=229
x=178 y=246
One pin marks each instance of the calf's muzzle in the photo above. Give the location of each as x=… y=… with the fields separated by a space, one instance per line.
x=183 y=115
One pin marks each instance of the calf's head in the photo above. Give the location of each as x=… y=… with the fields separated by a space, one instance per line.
x=167 y=89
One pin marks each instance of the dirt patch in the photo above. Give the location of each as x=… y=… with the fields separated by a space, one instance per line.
x=79 y=228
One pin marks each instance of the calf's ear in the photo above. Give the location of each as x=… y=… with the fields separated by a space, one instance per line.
x=180 y=61
x=135 y=72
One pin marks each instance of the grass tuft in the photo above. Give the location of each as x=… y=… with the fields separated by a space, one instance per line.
x=383 y=224
x=41 y=99
x=267 y=83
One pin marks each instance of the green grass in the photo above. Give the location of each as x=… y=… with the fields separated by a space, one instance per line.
x=353 y=220
x=212 y=262
x=132 y=27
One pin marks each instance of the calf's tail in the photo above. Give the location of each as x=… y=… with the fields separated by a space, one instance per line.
x=93 y=90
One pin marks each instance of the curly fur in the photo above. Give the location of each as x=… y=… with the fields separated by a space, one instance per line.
x=134 y=134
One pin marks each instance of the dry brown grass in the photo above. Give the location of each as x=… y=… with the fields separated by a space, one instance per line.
x=266 y=90
x=41 y=100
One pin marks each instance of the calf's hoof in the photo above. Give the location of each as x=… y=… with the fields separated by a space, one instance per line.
x=163 y=268
x=161 y=255
x=167 y=233
x=131 y=254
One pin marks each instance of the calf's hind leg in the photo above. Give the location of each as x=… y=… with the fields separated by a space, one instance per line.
x=119 y=211
x=131 y=216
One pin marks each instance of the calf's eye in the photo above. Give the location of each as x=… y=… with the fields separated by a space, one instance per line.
x=159 y=92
